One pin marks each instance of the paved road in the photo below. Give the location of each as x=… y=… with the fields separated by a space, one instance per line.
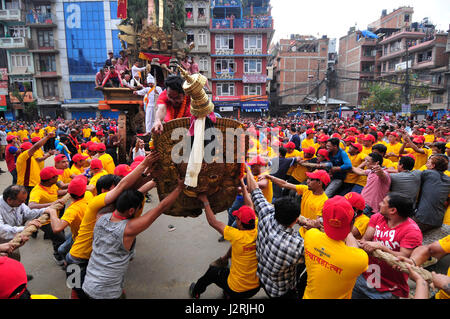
x=165 y=264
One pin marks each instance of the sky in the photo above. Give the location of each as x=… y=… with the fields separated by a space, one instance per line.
x=334 y=18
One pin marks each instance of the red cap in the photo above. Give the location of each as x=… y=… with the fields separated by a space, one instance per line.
x=245 y=214
x=417 y=140
x=83 y=145
x=410 y=155
x=134 y=165
x=356 y=200
x=122 y=170
x=60 y=157
x=309 y=150
x=78 y=157
x=50 y=172
x=336 y=135
x=78 y=185
x=26 y=146
x=96 y=164
x=380 y=134
x=350 y=139
x=369 y=137
x=12 y=276
x=337 y=217
x=352 y=129
x=431 y=127
x=258 y=160
x=101 y=147
x=324 y=153
x=289 y=145
x=310 y=131
x=321 y=175
x=9 y=138
x=92 y=147
x=99 y=133
x=422 y=130
x=373 y=128
x=394 y=133
x=357 y=146
x=323 y=138
x=35 y=139
x=139 y=158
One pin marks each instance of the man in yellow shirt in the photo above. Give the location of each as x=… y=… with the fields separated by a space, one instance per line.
x=332 y=258
x=309 y=140
x=96 y=171
x=44 y=195
x=393 y=147
x=109 y=188
x=38 y=132
x=107 y=160
x=313 y=195
x=352 y=180
x=39 y=155
x=429 y=136
x=62 y=163
x=415 y=148
x=22 y=133
x=78 y=166
x=87 y=132
x=26 y=165
x=367 y=142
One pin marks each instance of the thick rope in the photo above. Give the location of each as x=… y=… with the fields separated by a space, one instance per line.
x=44 y=218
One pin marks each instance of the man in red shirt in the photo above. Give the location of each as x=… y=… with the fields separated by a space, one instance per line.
x=112 y=78
x=392 y=231
x=11 y=152
x=172 y=103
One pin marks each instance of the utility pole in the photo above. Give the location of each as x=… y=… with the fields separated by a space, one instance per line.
x=327 y=92
x=406 y=88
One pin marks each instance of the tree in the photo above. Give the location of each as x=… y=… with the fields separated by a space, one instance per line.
x=383 y=97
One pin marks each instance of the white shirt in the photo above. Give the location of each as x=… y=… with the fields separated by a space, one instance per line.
x=3 y=138
x=135 y=70
x=139 y=152
x=149 y=106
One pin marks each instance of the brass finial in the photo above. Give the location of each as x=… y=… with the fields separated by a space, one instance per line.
x=186 y=75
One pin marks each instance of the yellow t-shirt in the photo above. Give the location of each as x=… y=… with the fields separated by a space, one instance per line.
x=393 y=148
x=95 y=178
x=429 y=138
x=268 y=191
x=294 y=153
x=299 y=171
x=38 y=134
x=108 y=163
x=445 y=244
x=22 y=134
x=388 y=163
x=356 y=160
x=361 y=223
x=95 y=139
x=87 y=132
x=421 y=159
x=75 y=212
x=76 y=171
x=311 y=205
x=65 y=177
x=332 y=266
x=366 y=150
x=82 y=247
x=242 y=275
x=43 y=297
x=307 y=142
x=28 y=170
x=39 y=153
x=49 y=129
x=44 y=195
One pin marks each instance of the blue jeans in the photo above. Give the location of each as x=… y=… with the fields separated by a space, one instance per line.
x=362 y=291
x=64 y=248
x=357 y=188
x=238 y=202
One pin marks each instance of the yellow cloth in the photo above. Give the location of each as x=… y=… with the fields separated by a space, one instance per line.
x=393 y=148
x=65 y=177
x=95 y=178
x=366 y=150
x=82 y=247
x=388 y=163
x=43 y=297
x=445 y=244
x=421 y=159
x=356 y=160
x=22 y=134
x=44 y=195
x=332 y=266
x=299 y=171
x=95 y=139
x=307 y=142
x=294 y=153
x=242 y=275
x=34 y=169
x=49 y=129
x=429 y=138
x=76 y=171
x=75 y=212
x=87 y=132
x=39 y=153
x=268 y=191
x=311 y=205
x=361 y=223
x=39 y=134
x=108 y=163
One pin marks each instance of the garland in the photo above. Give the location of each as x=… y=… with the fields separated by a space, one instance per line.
x=182 y=109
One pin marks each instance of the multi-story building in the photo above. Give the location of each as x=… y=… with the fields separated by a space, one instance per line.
x=300 y=67
x=197 y=30
x=240 y=37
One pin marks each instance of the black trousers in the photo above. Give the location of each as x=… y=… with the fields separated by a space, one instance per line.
x=56 y=238
x=219 y=276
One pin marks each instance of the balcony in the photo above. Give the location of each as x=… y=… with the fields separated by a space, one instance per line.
x=242 y=24
x=43 y=20
x=402 y=34
x=225 y=75
x=10 y=15
x=36 y=47
x=224 y=51
x=14 y=43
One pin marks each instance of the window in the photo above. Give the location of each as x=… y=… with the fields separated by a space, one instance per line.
x=20 y=60
x=406 y=18
x=253 y=41
x=203 y=64
x=438 y=98
x=225 y=89
x=425 y=56
x=190 y=36
x=202 y=38
x=201 y=14
x=252 y=89
x=189 y=11
x=225 y=66
x=45 y=38
x=252 y=66
x=18 y=31
x=224 y=41
x=47 y=63
x=49 y=88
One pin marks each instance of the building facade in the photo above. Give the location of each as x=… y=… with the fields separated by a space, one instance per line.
x=240 y=37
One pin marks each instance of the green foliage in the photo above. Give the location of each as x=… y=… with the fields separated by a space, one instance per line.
x=383 y=97
x=174 y=13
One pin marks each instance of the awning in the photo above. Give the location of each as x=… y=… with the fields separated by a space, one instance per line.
x=79 y=106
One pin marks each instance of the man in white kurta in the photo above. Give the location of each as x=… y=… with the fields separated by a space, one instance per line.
x=149 y=101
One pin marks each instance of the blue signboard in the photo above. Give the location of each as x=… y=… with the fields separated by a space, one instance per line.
x=254 y=106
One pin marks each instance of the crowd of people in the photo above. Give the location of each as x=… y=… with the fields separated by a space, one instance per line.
x=317 y=199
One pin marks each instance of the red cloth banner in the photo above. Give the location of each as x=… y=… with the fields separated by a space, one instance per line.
x=149 y=57
x=122 y=9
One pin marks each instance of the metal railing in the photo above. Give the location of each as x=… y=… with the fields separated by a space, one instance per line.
x=246 y=23
x=40 y=18
x=13 y=42
x=10 y=15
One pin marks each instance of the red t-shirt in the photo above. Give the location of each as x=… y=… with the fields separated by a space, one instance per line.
x=171 y=111
x=406 y=235
x=10 y=157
